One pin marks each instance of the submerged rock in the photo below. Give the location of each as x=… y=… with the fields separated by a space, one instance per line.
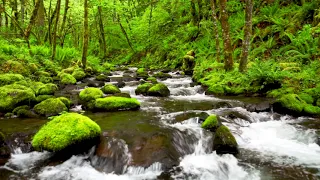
x=224 y=142
x=110 y=89
x=24 y=112
x=71 y=133
x=162 y=76
x=50 y=107
x=103 y=77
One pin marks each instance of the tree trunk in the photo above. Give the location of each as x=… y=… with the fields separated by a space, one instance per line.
x=228 y=61
x=85 y=35
x=33 y=17
x=200 y=10
x=55 y=28
x=215 y=29
x=22 y=11
x=150 y=21
x=247 y=36
x=193 y=12
x=15 y=14
x=66 y=7
x=103 y=39
x=125 y=33
x=5 y=15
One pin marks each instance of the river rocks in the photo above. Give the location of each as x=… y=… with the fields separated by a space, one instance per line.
x=4 y=149
x=50 y=107
x=110 y=89
x=65 y=101
x=15 y=95
x=162 y=76
x=103 y=77
x=116 y=103
x=67 y=79
x=6 y=79
x=122 y=95
x=142 y=73
x=90 y=94
x=47 y=89
x=70 y=131
x=153 y=80
x=224 y=142
x=187 y=115
x=143 y=89
x=41 y=98
x=79 y=74
x=211 y=123
x=160 y=90
x=259 y=107
x=24 y=112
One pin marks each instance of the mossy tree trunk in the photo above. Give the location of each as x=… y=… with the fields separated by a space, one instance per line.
x=85 y=35
x=62 y=30
x=55 y=29
x=215 y=29
x=228 y=61
x=102 y=35
x=5 y=15
x=194 y=12
x=32 y=21
x=247 y=36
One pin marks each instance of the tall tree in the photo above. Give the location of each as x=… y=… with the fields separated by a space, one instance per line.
x=228 y=61
x=61 y=34
x=247 y=36
x=5 y=14
x=55 y=29
x=215 y=29
x=103 y=38
x=85 y=35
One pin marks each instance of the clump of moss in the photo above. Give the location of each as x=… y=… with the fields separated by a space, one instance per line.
x=122 y=95
x=41 y=98
x=64 y=131
x=110 y=89
x=312 y=110
x=50 y=107
x=47 y=89
x=65 y=101
x=211 y=123
x=6 y=79
x=45 y=79
x=43 y=73
x=162 y=75
x=215 y=90
x=113 y=103
x=15 y=95
x=159 y=90
x=14 y=67
x=102 y=77
x=23 y=112
x=307 y=98
x=79 y=74
x=67 y=79
x=90 y=94
x=142 y=73
x=224 y=141
x=291 y=103
x=152 y=80
x=143 y=89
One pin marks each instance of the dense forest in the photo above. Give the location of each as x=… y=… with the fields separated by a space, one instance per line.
x=59 y=55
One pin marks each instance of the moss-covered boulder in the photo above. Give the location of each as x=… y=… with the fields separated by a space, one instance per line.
x=290 y=104
x=50 y=107
x=24 y=112
x=162 y=75
x=66 y=131
x=159 y=90
x=224 y=142
x=142 y=73
x=47 y=89
x=65 y=101
x=13 y=66
x=103 y=77
x=311 y=110
x=143 y=89
x=6 y=79
x=79 y=74
x=41 y=98
x=211 y=123
x=90 y=94
x=110 y=89
x=307 y=98
x=15 y=95
x=113 y=103
x=122 y=95
x=67 y=79
x=45 y=79
x=153 y=80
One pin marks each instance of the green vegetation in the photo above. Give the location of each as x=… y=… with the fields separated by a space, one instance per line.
x=110 y=89
x=117 y=103
x=65 y=130
x=211 y=123
x=67 y=79
x=143 y=89
x=159 y=90
x=79 y=74
x=47 y=89
x=50 y=107
x=90 y=94
x=153 y=80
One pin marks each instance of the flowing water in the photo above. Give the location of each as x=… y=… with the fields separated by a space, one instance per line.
x=164 y=140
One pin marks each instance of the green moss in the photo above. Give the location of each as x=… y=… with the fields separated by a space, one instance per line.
x=143 y=88
x=225 y=137
x=12 y=66
x=311 y=110
x=47 y=89
x=159 y=90
x=41 y=98
x=141 y=70
x=162 y=75
x=211 y=122
x=216 y=89
x=108 y=67
x=15 y=95
x=79 y=74
x=9 y=115
x=102 y=77
x=122 y=95
x=17 y=109
x=65 y=101
x=318 y=102
x=45 y=79
x=2 y=137
x=306 y=97
x=6 y=79
x=50 y=107
x=24 y=112
x=110 y=89
x=117 y=103
x=69 y=70
x=33 y=67
x=90 y=94
x=292 y=102
x=67 y=79
x=65 y=130
x=152 y=79
x=43 y=73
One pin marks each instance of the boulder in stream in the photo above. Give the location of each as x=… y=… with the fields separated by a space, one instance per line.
x=143 y=88
x=67 y=79
x=110 y=89
x=162 y=76
x=90 y=94
x=224 y=142
x=113 y=103
x=160 y=90
x=50 y=107
x=79 y=74
x=103 y=77
x=69 y=133
x=211 y=123
x=4 y=149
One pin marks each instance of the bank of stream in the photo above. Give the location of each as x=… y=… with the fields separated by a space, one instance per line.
x=164 y=140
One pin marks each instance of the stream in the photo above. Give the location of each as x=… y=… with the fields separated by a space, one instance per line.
x=164 y=140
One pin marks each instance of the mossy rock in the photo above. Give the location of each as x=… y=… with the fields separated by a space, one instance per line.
x=90 y=94
x=113 y=103
x=289 y=103
x=160 y=90
x=79 y=74
x=224 y=142
x=69 y=70
x=50 y=107
x=43 y=73
x=152 y=80
x=143 y=89
x=211 y=123
x=141 y=70
x=122 y=95
x=41 y=98
x=102 y=77
x=33 y=67
x=108 y=67
x=307 y=98
x=67 y=79
x=64 y=131
x=110 y=89
x=65 y=101
x=142 y=73
x=24 y=112
x=14 y=67
x=6 y=79
x=318 y=102
x=15 y=95
x=162 y=75
x=47 y=89
x=45 y=79
x=312 y=110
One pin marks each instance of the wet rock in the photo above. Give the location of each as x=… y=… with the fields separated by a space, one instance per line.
x=128 y=78
x=221 y=104
x=50 y=107
x=230 y=114
x=4 y=149
x=187 y=115
x=24 y=112
x=159 y=90
x=224 y=142
x=103 y=77
x=162 y=76
x=143 y=89
x=120 y=84
x=95 y=84
x=259 y=107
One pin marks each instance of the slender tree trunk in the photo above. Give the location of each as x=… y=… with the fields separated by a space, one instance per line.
x=55 y=29
x=247 y=36
x=5 y=15
x=125 y=33
x=103 y=39
x=22 y=11
x=15 y=14
x=200 y=10
x=33 y=17
x=85 y=35
x=150 y=20
x=193 y=12
x=66 y=7
x=228 y=61
x=215 y=29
